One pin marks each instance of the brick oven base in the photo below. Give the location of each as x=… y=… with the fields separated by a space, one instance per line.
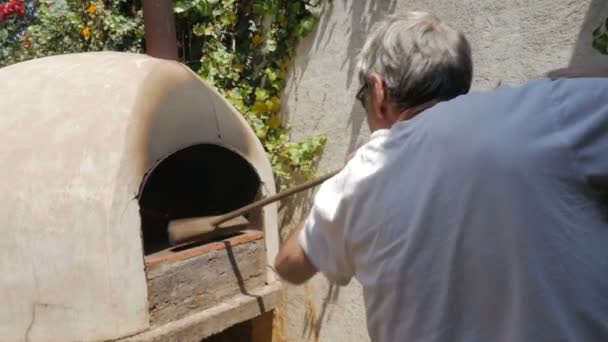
x=208 y=322
x=198 y=291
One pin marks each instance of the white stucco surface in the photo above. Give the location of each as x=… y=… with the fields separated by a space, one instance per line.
x=78 y=133
x=512 y=41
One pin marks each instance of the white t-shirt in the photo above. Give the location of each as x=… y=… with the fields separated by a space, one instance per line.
x=481 y=219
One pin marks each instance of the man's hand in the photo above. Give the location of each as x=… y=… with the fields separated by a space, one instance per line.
x=291 y=263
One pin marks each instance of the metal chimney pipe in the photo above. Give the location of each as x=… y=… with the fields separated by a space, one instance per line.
x=159 y=24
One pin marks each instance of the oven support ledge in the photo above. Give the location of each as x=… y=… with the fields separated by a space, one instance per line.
x=196 y=326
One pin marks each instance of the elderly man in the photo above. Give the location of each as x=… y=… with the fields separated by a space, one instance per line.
x=465 y=218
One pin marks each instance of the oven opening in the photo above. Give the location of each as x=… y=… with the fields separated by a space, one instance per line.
x=200 y=180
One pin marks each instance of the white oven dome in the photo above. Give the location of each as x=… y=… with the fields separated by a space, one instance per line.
x=79 y=134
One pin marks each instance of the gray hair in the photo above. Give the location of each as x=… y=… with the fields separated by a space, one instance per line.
x=420 y=59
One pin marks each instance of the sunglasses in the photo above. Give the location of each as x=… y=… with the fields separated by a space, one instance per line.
x=361 y=94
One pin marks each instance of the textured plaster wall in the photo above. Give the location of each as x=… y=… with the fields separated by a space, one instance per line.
x=512 y=41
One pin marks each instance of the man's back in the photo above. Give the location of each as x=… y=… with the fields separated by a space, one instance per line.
x=481 y=218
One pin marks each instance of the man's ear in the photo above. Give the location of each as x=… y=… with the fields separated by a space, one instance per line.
x=378 y=96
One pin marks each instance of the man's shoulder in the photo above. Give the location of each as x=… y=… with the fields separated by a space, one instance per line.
x=362 y=164
x=509 y=97
x=484 y=114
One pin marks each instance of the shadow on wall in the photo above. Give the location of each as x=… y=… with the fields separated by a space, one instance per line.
x=364 y=15
x=314 y=322
x=583 y=53
x=299 y=65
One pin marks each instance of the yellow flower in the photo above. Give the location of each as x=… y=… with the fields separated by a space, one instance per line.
x=239 y=67
x=256 y=40
x=274 y=122
x=92 y=9
x=273 y=104
x=261 y=133
x=86 y=33
x=259 y=108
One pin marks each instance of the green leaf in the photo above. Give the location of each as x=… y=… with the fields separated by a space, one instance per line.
x=261 y=133
x=271 y=45
x=273 y=104
x=259 y=108
x=260 y=8
x=204 y=8
x=179 y=7
x=228 y=19
x=295 y=7
x=305 y=26
x=261 y=94
x=274 y=122
x=271 y=74
x=600 y=43
x=198 y=30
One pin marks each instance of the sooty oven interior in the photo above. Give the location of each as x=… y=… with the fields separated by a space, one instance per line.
x=200 y=180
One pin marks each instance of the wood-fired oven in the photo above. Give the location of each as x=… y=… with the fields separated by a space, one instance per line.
x=99 y=152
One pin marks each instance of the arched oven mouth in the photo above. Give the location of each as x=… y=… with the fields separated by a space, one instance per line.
x=200 y=180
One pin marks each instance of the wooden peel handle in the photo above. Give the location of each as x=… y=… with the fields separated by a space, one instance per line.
x=192 y=229
x=273 y=198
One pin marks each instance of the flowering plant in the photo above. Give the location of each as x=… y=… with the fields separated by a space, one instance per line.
x=31 y=29
x=241 y=47
x=12 y=8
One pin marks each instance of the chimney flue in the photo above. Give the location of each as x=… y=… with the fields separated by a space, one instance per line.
x=159 y=26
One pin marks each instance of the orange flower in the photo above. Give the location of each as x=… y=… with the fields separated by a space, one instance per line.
x=26 y=42
x=256 y=40
x=86 y=33
x=92 y=9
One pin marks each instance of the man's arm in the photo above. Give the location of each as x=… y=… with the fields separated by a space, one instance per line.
x=320 y=243
x=291 y=263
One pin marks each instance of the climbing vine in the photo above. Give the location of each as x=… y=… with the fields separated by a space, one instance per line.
x=600 y=38
x=241 y=47
x=244 y=49
x=52 y=27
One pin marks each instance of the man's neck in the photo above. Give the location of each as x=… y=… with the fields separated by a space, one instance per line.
x=412 y=112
